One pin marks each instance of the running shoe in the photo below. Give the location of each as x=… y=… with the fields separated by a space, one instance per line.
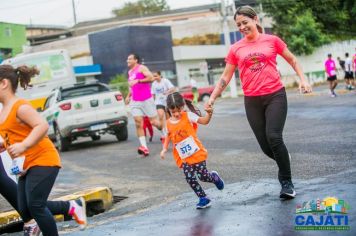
x=78 y=212
x=143 y=151
x=218 y=181
x=31 y=230
x=150 y=139
x=287 y=191
x=204 y=202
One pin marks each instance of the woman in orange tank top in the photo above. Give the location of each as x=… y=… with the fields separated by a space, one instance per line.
x=36 y=161
x=188 y=152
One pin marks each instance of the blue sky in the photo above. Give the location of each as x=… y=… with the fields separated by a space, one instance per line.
x=59 y=12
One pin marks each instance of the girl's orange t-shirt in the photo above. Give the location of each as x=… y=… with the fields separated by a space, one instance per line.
x=181 y=130
x=43 y=153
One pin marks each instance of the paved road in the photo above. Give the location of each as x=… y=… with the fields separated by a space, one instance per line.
x=319 y=133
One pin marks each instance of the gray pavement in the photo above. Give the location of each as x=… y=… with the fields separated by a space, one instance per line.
x=319 y=133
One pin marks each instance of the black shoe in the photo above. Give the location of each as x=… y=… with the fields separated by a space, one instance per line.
x=287 y=191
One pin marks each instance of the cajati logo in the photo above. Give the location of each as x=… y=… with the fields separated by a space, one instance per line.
x=327 y=214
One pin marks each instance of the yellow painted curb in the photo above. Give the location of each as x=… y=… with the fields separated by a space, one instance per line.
x=101 y=195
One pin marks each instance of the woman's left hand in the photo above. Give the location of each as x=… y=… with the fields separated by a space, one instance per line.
x=305 y=87
x=16 y=149
x=209 y=109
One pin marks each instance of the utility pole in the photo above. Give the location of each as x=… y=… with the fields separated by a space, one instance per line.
x=261 y=17
x=232 y=84
x=74 y=13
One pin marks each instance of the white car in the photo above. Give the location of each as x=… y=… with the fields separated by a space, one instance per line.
x=83 y=110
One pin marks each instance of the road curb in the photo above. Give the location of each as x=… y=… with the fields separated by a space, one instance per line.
x=97 y=199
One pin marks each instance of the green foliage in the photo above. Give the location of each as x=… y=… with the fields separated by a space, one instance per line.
x=141 y=7
x=208 y=39
x=119 y=82
x=306 y=35
x=307 y=24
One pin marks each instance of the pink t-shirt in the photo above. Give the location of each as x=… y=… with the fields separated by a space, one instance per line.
x=330 y=67
x=140 y=91
x=257 y=64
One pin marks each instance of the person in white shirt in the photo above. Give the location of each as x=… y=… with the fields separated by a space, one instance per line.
x=161 y=87
x=349 y=77
x=193 y=83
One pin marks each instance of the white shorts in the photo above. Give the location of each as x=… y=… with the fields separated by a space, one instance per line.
x=143 y=108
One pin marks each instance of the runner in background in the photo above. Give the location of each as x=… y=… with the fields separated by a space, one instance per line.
x=195 y=92
x=354 y=63
x=342 y=64
x=330 y=69
x=349 y=76
x=140 y=99
x=161 y=87
x=148 y=126
x=35 y=160
x=189 y=153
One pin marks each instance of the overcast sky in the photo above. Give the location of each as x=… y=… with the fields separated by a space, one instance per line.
x=59 y=12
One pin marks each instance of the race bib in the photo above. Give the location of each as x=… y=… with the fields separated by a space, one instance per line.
x=187 y=147
x=332 y=72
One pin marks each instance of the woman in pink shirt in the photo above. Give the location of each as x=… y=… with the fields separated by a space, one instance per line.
x=265 y=97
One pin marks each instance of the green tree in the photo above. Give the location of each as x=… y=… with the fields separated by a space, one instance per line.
x=305 y=35
x=306 y=24
x=119 y=82
x=141 y=7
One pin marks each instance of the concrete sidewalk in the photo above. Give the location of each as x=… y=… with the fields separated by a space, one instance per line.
x=245 y=208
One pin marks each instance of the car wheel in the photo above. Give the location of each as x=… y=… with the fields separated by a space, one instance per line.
x=62 y=143
x=95 y=137
x=122 y=133
x=205 y=98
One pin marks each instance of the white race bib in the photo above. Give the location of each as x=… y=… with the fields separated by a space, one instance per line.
x=187 y=147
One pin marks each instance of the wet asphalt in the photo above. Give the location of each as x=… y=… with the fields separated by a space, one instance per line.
x=319 y=133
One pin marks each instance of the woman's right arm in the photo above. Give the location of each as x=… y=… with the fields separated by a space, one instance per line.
x=222 y=83
x=128 y=97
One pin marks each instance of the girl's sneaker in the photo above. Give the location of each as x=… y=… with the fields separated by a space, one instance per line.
x=31 y=230
x=218 y=181
x=77 y=209
x=204 y=202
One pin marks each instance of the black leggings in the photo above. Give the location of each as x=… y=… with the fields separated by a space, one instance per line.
x=8 y=189
x=202 y=173
x=267 y=115
x=33 y=191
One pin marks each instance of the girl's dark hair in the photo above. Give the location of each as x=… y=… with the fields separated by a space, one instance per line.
x=136 y=57
x=158 y=72
x=21 y=74
x=176 y=100
x=248 y=12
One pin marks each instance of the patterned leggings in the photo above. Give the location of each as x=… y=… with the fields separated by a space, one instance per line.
x=202 y=173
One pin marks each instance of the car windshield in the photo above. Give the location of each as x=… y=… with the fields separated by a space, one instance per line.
x=82 y=91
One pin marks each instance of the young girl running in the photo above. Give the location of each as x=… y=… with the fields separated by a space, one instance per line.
x=24 y=134
x=188 y=152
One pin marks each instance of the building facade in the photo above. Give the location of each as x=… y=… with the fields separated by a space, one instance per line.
x=12 y=39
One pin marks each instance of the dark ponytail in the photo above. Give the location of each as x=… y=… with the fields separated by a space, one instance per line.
x=176 y=100
x=21 y=74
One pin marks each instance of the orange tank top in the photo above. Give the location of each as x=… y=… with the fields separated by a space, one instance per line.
x=43 y=153
x=183 y=129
